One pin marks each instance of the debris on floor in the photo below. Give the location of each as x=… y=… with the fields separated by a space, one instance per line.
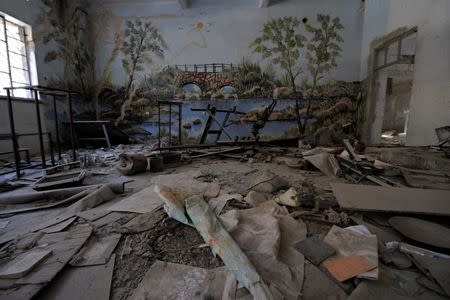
x=283 y=223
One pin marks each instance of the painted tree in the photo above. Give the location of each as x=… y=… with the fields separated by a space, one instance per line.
x=281 y=42
x=100 y=26
x=142 y=42
x=65 y=23
x=323 y=50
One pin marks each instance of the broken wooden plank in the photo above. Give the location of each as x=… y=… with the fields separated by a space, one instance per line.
x=393 y=199
x=351 y=150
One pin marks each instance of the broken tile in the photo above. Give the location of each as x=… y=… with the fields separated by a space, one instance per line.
x=393 y=285
x=108 y=219
x=422 y=231
x=255 y=198
x=315 y=249
x=348 y=267
x=24 y=263
x=97 y=251
x=435 y=267
x=289 y=198
x=325 y=162
x=60 y=226
x=63 y=246
x=347 y=243
x=317 y=285
x=392 y=199
x=75 y=283
x=175 y=281
x=268 y=182
x=217 y=204
x=143 y=222
x=141 y=202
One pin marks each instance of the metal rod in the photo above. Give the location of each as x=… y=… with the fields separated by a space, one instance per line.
x=180 y=109
x=220 y=125
x=7 y=52
x=170 y=124
x=13 y=134
x=105 y=133
x=159 y=125
x=72 y=137
x=41 y=138
x=58 y=142
x=50 y=143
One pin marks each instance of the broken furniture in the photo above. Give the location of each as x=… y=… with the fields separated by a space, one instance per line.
x=97 y=131
x=36 y=90
x=212 y=118
x=60 y=180
x=170 y=113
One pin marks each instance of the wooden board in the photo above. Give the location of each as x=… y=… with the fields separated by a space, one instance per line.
x=392 y=199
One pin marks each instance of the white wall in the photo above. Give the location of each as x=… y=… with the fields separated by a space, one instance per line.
x=376 y=15
x=229 y=27
x=430 y=99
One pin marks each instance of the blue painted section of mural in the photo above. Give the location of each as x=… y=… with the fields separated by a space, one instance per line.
x=240 y=129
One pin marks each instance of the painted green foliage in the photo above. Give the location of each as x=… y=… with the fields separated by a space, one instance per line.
x=142 y=42
x=282 y=43
x=323 y=49
x=65 y=23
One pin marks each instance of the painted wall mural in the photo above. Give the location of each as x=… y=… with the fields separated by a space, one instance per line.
x=321 y=111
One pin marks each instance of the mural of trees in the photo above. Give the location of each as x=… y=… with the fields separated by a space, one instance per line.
x=281 y=41
x=142 y=42
x=65 y=23
x=323 y=49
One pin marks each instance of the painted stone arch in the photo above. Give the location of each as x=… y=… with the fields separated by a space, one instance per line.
x=228 y=89
x=191 y=87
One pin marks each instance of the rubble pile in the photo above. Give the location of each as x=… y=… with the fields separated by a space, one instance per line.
x=237 y=222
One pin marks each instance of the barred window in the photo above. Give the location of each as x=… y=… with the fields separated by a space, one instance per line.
x=14 y=58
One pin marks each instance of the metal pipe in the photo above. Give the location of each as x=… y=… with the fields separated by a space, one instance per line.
x=41 y=138
x=159 y=125
x=50 y=143
x=72 y=138
x=180 y=109
x=13 y=134
x=170 y=124
x=58 y=142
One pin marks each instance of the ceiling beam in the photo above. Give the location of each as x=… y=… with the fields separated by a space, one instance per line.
x=264 y=3
x=184 y=4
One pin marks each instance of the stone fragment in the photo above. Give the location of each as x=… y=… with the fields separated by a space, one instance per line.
x=289 y=198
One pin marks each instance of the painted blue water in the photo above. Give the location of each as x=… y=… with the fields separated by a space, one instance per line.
x=272 y=128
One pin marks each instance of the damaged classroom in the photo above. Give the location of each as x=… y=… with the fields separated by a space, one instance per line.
x=238 y=149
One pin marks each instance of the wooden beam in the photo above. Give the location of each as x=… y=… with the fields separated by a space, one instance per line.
x=184 y=4
x=264 y=3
